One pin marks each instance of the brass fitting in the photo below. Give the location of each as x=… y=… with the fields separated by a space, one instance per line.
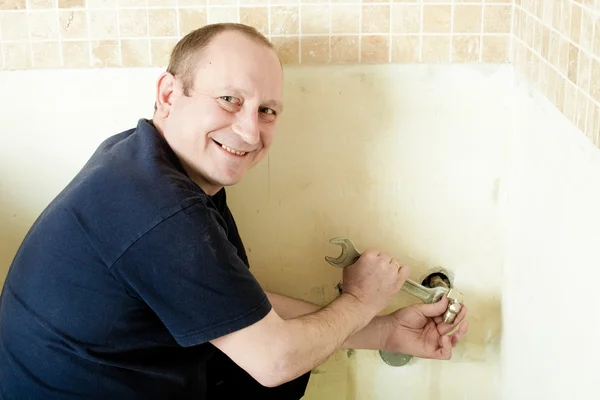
x=455 y=302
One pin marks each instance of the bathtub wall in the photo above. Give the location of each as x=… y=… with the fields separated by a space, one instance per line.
x=140 y=33
x=550 y=319
x=458 y=167
x=411 y=159
x=557 y=46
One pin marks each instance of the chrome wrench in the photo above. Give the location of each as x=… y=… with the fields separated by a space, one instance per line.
x=350 y=255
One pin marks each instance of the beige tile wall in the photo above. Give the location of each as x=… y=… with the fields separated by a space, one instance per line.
x=137 y=33
x=557 y=45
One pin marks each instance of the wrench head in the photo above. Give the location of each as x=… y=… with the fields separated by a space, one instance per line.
x=348 y=256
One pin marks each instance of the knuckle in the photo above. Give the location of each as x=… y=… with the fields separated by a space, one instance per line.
x=384 y=259
x=370 y=253
x=405 y=271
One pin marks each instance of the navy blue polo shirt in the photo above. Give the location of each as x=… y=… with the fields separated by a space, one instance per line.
x=122 y=281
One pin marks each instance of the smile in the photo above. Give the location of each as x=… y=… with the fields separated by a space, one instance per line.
x=230 y=150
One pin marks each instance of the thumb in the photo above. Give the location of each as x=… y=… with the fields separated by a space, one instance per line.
x=434 y=309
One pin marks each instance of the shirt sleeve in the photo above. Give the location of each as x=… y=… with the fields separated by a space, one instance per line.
x=192 y=277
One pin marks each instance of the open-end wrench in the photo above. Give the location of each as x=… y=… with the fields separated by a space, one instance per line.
x=428 y=295
x=350 y=255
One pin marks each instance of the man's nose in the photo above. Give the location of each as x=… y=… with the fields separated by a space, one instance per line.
x=246 y=125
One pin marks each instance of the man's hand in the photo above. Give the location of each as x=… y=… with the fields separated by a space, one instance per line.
x=374 y=279
x=418 y=330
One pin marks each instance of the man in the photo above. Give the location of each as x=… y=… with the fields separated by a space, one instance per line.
x=133 y=283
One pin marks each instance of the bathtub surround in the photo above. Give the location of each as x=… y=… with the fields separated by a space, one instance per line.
x=470 y=168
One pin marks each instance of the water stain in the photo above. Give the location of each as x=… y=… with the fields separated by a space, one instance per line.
x=496 y=190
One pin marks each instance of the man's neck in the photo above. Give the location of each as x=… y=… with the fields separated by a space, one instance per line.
x=207 y=187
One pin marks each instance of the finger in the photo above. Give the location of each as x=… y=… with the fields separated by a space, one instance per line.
x=445 y=352
x=403 y=270
x=394 y=261
x=385 y=256
x=434 y=309
x=444 y=328
x=464 y=327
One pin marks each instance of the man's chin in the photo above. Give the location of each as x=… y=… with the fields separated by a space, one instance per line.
x=229 y=180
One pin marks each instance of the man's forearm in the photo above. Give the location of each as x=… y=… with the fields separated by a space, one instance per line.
x=288 y=307
x=370 y=337
x=276 y=350
x=310 y=339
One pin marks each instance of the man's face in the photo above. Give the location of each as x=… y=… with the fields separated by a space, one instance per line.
x=227 y=124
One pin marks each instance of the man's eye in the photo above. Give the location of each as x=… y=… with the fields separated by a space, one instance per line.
x=230 y=99
x=268 y=111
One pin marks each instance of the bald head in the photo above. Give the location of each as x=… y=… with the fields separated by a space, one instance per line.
x=189 y=50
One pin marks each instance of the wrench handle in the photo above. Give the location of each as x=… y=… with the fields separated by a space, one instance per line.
x=427 y=295
x=350 y=255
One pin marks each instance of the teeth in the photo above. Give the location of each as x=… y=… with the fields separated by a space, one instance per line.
x=229 y=149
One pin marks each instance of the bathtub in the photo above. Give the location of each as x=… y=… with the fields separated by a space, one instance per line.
x=466 y=168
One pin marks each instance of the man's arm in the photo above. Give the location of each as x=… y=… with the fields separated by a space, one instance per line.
x=275 y=350
x=371 y=337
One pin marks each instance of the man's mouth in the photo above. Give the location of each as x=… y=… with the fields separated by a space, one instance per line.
x=230 y=150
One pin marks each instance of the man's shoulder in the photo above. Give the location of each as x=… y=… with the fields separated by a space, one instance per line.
x=137 y=163
x=131 y=183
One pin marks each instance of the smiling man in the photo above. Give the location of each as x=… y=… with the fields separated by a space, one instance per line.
x=134 y=283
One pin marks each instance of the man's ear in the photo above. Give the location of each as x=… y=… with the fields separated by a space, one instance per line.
x=165 y=90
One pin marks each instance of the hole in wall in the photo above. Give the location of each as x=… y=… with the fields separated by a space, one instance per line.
x=437 y=279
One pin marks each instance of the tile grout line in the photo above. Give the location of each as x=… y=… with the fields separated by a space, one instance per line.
x=61 y=55
x=390 y=26
x=31 y=53
x=421 y=22
x=580 y=55
x=289 y=4
x=505 y=35
x=148 y=33
x=178 y=19
x=511 y=49
x=481 y=30
x=89 y=36
x=451 y=46
x=329 y=38
x=360 y=13
x=2 y=56
x=269 y=22
x=119 y=49
x=299 y=33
